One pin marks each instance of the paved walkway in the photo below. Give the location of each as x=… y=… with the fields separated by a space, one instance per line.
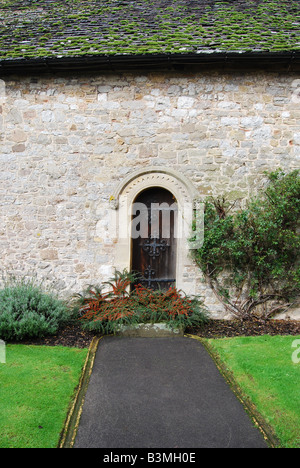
x=161 y=393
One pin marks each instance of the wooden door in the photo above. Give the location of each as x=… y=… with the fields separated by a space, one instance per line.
x=154 y=239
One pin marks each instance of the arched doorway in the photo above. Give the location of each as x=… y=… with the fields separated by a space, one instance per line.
x=121 y=204
x=153 y=233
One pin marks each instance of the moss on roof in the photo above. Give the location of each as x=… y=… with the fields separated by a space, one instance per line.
x=73 y=28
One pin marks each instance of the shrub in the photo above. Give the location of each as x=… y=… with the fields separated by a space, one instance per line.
x=117 y=302
x=27 y=311
x=250 y=258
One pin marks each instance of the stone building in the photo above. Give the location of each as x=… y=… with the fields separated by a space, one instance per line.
x=102 y=102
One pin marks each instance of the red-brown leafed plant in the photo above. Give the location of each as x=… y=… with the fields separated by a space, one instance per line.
x=123 y=301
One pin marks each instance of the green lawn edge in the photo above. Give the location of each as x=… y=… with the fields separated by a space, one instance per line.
x=266 y=430
x=31 y=421
x=68 y=434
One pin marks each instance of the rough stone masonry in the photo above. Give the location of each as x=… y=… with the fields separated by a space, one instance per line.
x=67 y=142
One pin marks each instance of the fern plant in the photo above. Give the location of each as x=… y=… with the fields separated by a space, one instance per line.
x=120 y=301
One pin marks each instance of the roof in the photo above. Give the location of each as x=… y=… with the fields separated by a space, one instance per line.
x=65 y=29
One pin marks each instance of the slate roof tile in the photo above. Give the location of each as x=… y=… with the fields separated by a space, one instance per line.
x=85 y=28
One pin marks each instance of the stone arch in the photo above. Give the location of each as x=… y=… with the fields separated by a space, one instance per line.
x=186 y=196
x=154 y=176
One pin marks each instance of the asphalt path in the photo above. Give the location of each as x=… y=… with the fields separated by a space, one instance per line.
x=161 y=393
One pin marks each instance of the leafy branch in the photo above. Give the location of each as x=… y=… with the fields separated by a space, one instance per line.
x=250 y=258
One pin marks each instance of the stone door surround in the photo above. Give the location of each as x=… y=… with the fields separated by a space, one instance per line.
x=185 y=194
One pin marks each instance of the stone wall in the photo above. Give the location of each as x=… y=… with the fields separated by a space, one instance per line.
x=67 y=142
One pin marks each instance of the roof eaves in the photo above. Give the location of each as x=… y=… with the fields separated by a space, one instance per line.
x=125 y=62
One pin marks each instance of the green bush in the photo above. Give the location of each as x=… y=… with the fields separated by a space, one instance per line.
x=27 y=311
x=251 y=257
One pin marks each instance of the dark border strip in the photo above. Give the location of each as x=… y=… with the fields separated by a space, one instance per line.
x=118 y=63
x=69 y=431
x=259 y=421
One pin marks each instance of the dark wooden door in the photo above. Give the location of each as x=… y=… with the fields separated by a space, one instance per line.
x=153 y=238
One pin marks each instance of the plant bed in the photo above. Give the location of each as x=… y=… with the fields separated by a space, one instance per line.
x=230 y=328
x=123 y=302
x=71 y=336
x=74 y=336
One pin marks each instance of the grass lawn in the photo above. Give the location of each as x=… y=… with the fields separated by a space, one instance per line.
x=37 y=386
x=263 y=368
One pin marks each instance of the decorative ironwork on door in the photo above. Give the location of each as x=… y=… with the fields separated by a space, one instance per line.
x=154 y=251
x=154 y=246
